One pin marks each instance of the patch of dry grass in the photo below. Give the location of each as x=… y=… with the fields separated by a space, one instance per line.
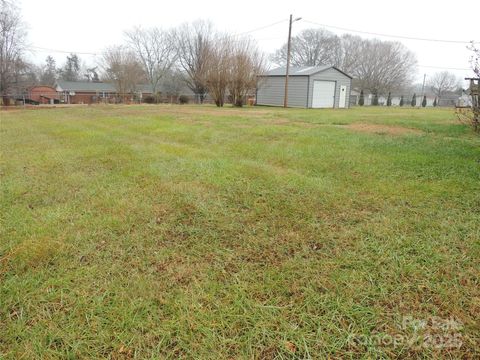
x=383 y=129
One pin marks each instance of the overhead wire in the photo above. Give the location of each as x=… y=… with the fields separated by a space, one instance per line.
x=260 y=28
x=308 y=22
x=443 y=67
x=32 y=47
x=390 y=35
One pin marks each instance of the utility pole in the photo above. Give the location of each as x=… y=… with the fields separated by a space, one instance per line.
x=289 y=45
x=423 y=85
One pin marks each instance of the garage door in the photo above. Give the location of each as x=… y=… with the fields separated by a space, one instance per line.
x=323 y=94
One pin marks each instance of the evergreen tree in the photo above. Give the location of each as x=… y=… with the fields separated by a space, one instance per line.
x=389 y=99
x=71 y=69
x=49 y=71
x=424 y=101
x=435 y=102
x=375 y=99
x=401 y=101
x=361 y=100
x=414 y=100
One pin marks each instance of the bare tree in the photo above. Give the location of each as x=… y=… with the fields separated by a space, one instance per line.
x=121 y=67
x=442 y=82
x=312 y=47
x=218 y=67
x=12 y=47
x=377 y=66
x=246 y=63
x=155 y=50
x=25 y=74
x=383 y=66
x=351 y=48
x=194 y=45
x=232 y=68
x=471 y=116
x=475 y=58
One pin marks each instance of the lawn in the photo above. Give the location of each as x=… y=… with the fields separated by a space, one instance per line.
x=193 y=232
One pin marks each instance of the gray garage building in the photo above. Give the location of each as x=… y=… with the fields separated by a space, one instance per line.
x=308 y=87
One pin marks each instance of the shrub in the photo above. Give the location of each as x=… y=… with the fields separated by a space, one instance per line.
x=435 y=102
x=424 y=101
x=361 y=100
x=389 y=99
x=183 y=99
x=414 y=100
x=238 y=102
x=149 y=99
x=375 y=100
x=401 y=100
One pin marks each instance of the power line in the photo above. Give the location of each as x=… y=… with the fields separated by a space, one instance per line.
x=389 y=35
x=62 y=51
x=275 y=38
x=261 y=28
x=442 y=67
x=307 y=21
x=97 y=53
x=270 y=38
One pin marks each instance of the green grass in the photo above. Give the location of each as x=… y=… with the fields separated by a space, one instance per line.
x=153 y=232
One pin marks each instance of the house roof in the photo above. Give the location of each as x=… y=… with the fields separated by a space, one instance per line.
x=34 y=87
x=146 y=88
x=302 y=70
x=89 y=86
x=63 y=85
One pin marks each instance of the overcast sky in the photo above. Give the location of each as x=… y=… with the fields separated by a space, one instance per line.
x=88 y=26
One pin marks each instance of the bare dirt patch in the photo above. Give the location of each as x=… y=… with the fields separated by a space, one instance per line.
x=383 y=129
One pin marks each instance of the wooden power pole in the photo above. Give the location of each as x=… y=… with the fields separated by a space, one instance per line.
x=475 y=94
x=289 y=46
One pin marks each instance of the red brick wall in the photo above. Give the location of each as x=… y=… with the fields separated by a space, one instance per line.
x=42 y=94
x=82 y=98
x=90 y=97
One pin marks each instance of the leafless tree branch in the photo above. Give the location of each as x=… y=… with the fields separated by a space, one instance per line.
x=194 y=44
x=12 y=46
x=122 y=68
x=442 y=82
x=155 y=50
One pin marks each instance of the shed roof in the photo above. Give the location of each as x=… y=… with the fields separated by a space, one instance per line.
x=302 y=70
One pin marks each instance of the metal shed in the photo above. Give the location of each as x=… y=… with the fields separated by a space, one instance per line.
x=308 y=87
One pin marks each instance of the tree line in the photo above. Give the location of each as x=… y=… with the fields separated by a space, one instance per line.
x=193 y=55
x=378 y=67
x=205 y=60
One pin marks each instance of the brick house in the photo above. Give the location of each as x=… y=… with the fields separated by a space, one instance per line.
x=42 y=95
x=84 y=92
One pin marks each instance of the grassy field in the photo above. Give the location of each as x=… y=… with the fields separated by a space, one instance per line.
x=194 y=232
